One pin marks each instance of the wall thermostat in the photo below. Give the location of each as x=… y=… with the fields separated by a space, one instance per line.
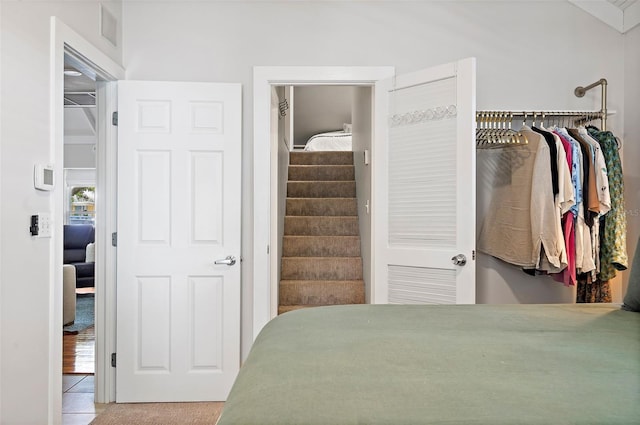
x=43 y=176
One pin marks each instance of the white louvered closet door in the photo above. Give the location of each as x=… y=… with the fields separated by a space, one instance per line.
x=424 y=180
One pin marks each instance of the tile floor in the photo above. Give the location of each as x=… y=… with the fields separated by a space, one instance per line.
x=78 y=407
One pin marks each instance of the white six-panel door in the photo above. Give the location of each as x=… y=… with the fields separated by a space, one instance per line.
x=424 y=186
x=178 y=313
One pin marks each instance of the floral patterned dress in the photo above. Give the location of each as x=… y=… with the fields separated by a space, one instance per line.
x=613 y=226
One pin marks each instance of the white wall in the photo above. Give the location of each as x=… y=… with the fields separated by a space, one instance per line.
x=80 y=156
x=631 y=157
x=25 y=271
x=362 y=140
x=319 y=109
x=530 y=54
x=283 y=175
x=79 y=138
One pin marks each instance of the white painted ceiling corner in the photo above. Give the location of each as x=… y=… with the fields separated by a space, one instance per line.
x=621 y=15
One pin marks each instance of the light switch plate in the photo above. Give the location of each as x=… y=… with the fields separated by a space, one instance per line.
x=44 y=225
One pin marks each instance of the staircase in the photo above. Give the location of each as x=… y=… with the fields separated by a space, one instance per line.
x=321 y=262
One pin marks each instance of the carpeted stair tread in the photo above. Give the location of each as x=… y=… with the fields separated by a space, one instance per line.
x=321 y=158
x=321 y=261
x=321 y=189
x=321 y=246
x=321 y=172
x=322 y=206
x=321 y=292
x=321 y=225
x=321 y=268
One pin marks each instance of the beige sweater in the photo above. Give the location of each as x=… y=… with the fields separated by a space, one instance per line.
x=522 y=216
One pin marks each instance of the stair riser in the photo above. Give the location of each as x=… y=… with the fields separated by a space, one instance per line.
x=321 y=158
x=340 y=268
x=318 y=189
x=321 y=246
x=321 y=226
x=322 y=206
x=321 y=172
x=306 y=292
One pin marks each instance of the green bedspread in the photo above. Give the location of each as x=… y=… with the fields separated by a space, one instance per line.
x=461 y=364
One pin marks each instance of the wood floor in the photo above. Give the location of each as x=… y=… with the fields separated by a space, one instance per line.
x=78 y=352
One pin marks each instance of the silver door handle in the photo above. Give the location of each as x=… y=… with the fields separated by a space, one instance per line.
x=459 y=260
x=229 y=261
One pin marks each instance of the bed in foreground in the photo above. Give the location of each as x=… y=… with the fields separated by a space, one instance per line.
x=460 y=364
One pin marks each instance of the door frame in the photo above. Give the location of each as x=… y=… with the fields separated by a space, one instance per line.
x=265 y=302
x=63 y=40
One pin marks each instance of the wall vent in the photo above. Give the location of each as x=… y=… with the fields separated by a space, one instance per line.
x=108 y=26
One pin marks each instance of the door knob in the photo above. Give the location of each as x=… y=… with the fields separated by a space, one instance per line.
x=229 y=261
x=459 y=260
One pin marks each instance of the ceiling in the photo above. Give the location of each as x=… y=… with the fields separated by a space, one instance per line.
x=622 y=4
x=78 y=90
x=622 y=15
x=79 y=108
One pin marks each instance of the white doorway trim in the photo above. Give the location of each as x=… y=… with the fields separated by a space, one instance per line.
x=64 y=38
x=264 y=290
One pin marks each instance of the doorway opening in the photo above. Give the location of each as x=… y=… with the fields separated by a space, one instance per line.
x=69 y=49
x=318 y=251
x=79 y=190
x=266 y=193
x=88 y=206
x=80 y=219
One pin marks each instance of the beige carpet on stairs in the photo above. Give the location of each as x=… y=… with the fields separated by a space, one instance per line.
x=321 y=260
x=160 y=414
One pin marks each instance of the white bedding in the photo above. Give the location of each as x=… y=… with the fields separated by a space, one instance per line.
x=331 y=141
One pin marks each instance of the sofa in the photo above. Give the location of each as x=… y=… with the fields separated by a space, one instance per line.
x=76 y=239
x=68 y=294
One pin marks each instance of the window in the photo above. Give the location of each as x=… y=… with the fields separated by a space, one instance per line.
x=82 y=205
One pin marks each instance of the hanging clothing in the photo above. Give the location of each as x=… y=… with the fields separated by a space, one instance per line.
x=576 y=168
x=604 y=198
x=558 y=209
x=520 y=221
x=592 y=291
x=593 y=205
x=613 y=246
x=599 y=188
x=564 y=200
x=552 y=154
x=600 y=166
x=584 y=260
x=568 y=275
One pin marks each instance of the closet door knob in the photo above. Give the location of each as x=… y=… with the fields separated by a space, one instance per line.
x=459 y=260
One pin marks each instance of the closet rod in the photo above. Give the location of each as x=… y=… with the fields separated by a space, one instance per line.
x=486 y=116
x=531 y=113
x=581 y=91
x=482 y=116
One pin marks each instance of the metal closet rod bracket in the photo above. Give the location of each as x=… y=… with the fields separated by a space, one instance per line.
x=581 y=91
